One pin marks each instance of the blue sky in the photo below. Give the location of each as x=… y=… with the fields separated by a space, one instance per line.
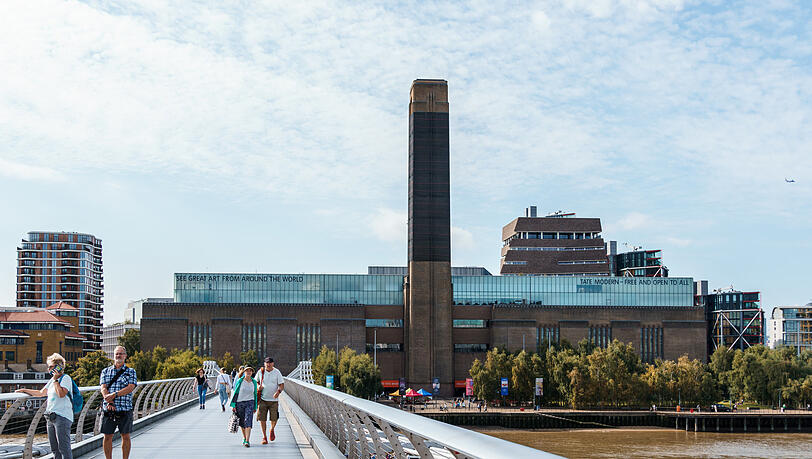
x=272 y=136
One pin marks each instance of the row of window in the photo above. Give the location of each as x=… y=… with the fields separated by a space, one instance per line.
x=553 y=235
x=384 y=347
x=199 y=336
x=254 y=337
x=583 y=262
x=398 y=323
x=32 y=326
x=556 y=249
x=651 y=344
x=12 y=341
x=308 y=341
x=46 y=237
x=600 y=336
x=478 y=347
x=515 y=262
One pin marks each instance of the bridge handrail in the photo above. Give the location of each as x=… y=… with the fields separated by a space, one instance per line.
x=15 y=396
x=172 y=392
x=352 y=422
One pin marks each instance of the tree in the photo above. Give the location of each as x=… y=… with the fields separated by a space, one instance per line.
x=89 y=368
x=324 y=364
x=487 y=376
x=226 y=361
x=363 y=378
x=250 y=358
x=179 y=364
x=344 y=358
x=144 y=365
x=131 y=340
x=523 y=376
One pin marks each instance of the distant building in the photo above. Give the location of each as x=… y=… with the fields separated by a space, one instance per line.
x=792 y=326
x=404 y=271
x=636 y=263
x=735 y=319
x=133 y=313
x=29 y=335
x=111 y=333
x=556 y=245
x=429 y=325
x=60 y=266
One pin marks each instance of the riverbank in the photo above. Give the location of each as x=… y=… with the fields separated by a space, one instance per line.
x=766 y=421
x=647 y=442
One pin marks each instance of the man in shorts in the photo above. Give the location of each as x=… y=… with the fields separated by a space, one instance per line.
x=271 y=384
x=117 y=383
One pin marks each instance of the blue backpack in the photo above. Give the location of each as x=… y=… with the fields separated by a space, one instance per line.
x=75 y=396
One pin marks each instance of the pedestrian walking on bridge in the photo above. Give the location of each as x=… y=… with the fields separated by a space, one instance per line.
x=244 y=402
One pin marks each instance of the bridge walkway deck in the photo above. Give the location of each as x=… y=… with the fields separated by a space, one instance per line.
x=197 y=433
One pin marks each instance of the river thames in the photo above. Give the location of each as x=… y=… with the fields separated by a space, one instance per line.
x=658 y=442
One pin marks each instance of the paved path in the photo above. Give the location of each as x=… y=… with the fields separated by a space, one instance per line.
x=196 y=433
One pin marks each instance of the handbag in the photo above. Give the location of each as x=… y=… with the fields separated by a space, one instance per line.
x=233 y=423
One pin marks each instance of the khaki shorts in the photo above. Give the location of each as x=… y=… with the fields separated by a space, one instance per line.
x=267 y=407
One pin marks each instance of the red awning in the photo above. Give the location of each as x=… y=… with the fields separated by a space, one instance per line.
x=390 y=383
x=459 y=384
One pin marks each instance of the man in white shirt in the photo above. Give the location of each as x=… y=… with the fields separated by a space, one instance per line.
x=271 y=384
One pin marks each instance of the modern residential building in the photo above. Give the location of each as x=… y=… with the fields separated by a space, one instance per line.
x=111 y=333
x=636 y=263
x=430 y=322
x=735 y=319
x=556 y=245
x=133 y=311
x=60 y=266
x=793 y=327
x=29 y=335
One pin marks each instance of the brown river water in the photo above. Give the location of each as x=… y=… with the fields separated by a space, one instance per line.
x=648 y=442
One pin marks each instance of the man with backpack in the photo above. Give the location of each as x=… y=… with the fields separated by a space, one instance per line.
x=59 y=408
x=117 y=383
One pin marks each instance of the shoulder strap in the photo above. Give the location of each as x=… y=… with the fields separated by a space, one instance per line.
x=118 y=373
x=70 y=390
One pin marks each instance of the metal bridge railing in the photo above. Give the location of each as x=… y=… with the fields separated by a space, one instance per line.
x=24 y=414
x=364 y=429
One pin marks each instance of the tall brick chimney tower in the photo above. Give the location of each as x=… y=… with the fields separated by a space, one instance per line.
x=428 y=299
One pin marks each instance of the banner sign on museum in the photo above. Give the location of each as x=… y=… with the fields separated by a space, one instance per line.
x=539 y=387
x=469 y=387
x=504 y=386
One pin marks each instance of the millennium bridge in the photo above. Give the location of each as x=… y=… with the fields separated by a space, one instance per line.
x=314 y=422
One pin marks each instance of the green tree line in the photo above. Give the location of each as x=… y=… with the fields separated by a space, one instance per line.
x=352 y=372
x=584 y=376
x=156 y=364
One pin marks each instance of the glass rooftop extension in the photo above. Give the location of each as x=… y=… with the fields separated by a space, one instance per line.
x=468 y=290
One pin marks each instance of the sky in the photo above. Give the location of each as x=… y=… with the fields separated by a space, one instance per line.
x=242 y=136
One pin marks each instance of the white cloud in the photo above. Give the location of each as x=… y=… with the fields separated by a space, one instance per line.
x=461 y=239
x=389 y=225
x=634 y=220
x=21 y=171
x=679 y=242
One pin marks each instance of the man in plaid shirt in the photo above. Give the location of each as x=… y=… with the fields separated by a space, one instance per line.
x=117 y=383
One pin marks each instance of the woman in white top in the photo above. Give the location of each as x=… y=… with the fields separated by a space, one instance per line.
x=244 y=402
x=59 y=408
x=223 y=387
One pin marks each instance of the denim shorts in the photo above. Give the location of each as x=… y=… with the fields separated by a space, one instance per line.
x=245 y=413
